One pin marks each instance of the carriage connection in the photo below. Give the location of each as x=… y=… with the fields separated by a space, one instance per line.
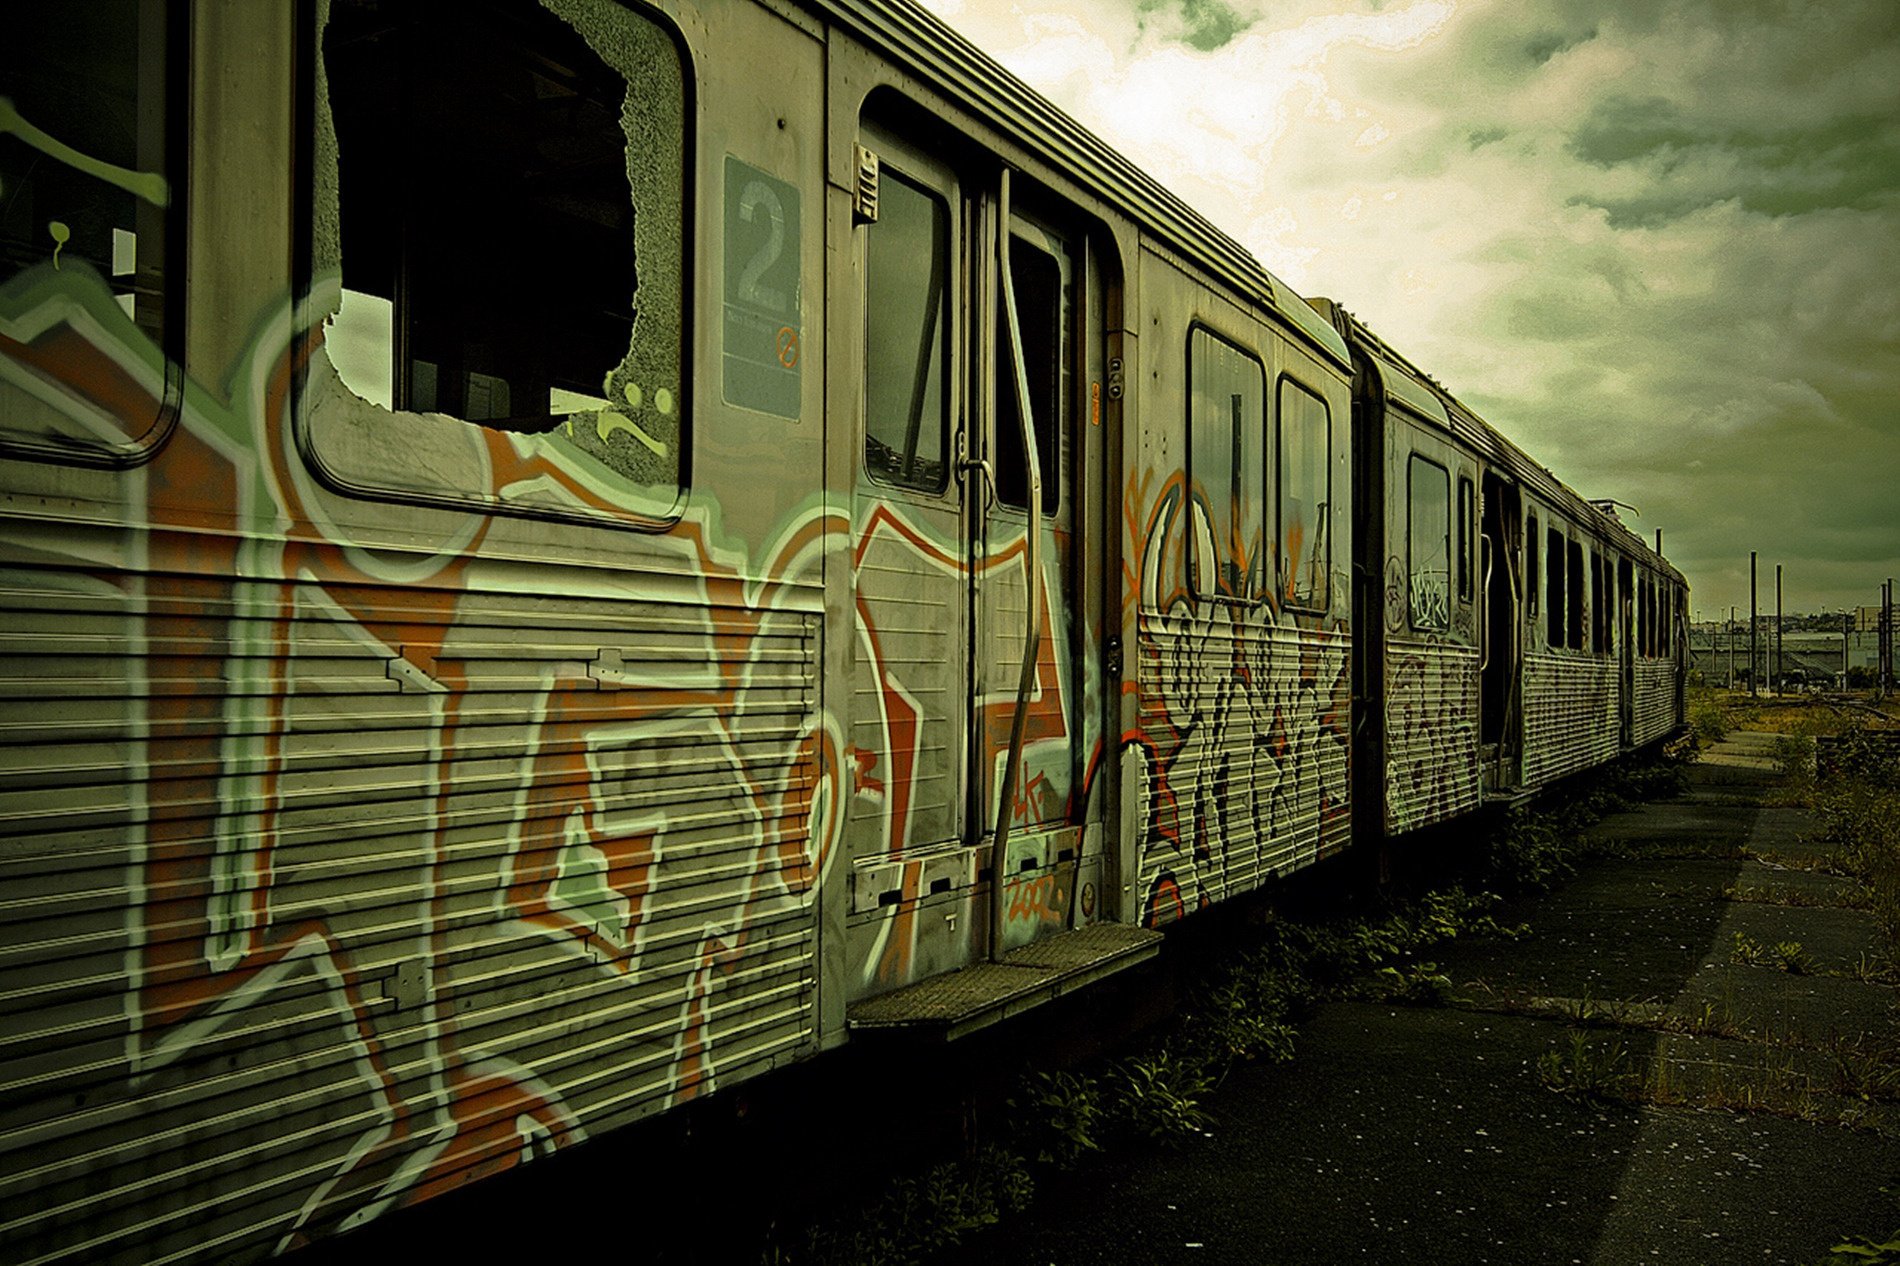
x=559 y=557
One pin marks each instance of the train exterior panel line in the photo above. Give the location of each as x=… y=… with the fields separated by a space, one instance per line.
x=548 y=572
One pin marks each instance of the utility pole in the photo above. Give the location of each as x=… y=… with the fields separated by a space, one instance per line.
x=1847 y=622
x=1754 y=621
x=1776 y=679
x=1887 y=637
x=1731 y=648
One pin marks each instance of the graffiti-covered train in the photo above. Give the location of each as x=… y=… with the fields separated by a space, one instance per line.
x=558 y=556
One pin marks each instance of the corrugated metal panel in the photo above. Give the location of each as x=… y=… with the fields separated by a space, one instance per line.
x=1571 y=720
x=1249 y=728
x=1655 y=705
x=1431 y=733
x=304 y=914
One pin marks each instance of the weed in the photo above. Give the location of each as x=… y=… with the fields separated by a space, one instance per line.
x=1861 y=1251
x=915 y=1217
x=1061 y=1115
x=1159 y=1097
x=1707 y=717
x=1420 y=984
x=1859 y=810
x=1592 y=1069
x=1788 y=956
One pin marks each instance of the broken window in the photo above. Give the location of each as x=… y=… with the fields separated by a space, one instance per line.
x=505 y=201
x=1305 y=497
x=1227 y=475
x=907 y=336
x=87 y=186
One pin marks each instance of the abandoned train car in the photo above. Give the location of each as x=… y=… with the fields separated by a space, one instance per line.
x=1509 y=632
x=547 y=572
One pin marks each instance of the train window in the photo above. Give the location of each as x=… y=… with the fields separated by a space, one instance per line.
x=1428 y=543
x=1227 y=477
x=1042 y=298
x=1554 y=589
x=1599 y=605
x=87 y=180
x=1464 y=538
x=1531 y=554
x=1306 y=547
x=502 y=191
x=907 y=336
x=1577 y=603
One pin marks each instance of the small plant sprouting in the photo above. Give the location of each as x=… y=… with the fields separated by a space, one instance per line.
x=1600 y=1069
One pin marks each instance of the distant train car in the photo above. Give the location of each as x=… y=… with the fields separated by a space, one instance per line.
x=1510 y=632
x=549 y=570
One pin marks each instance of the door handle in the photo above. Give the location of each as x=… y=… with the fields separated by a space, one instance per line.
x=989 y=477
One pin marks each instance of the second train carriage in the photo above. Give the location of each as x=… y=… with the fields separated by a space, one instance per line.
x=1510 y=632
x=548 y=572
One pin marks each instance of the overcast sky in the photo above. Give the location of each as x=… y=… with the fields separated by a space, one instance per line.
x=1657 y=242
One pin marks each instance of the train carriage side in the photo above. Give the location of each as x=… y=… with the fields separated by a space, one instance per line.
x=422 y=756
x=551 y=573
x=1550 y=650
x=1420 y=552
x=1238 y=510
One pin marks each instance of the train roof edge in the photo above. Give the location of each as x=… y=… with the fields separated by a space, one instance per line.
x=937 y=53
x=1408 y=383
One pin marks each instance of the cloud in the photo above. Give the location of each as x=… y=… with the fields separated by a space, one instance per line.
x=1657 y=243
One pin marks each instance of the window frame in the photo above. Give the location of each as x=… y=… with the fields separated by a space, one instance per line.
x=905 y=171
x=1277 y=481
x=1414 y=460
x=1254 y=584
x=310 y=105
x=174 y=57
x=1049 y=447
x=1533 y=571
x=1556 y=587
x=1467 y=503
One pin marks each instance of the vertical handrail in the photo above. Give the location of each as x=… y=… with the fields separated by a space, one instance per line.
x=1032 y=574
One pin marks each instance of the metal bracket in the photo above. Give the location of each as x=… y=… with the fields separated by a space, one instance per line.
x=864 y=196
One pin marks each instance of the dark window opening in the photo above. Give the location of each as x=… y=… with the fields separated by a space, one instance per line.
x=1039 y=286
x=1554 y=595
x=88 y=184
x=486 y=216
x=1532 y=552
x=1465 y=543
x=1428 y=543
x=1599 y=606
x=1578 y=604
x=907 y=337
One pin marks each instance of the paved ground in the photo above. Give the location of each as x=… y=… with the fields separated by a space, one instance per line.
x=1428 y=1135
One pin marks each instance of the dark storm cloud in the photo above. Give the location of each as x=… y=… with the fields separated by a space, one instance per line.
x=1851 y=160
x=1202 y=24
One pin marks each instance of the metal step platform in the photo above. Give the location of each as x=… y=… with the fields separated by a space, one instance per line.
x=951 y=1006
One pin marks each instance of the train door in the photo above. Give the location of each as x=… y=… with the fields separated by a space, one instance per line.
x=1498 y=688
x=1041 y=266
x=911 y=679
x=942 y=559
